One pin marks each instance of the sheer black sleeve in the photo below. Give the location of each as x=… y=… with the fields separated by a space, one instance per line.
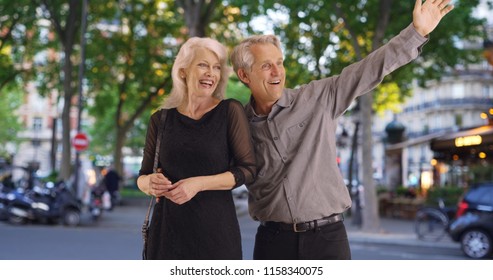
x=244 y=166
x=150 y=145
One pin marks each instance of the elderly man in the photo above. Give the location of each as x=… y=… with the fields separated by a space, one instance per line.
x=299 y=194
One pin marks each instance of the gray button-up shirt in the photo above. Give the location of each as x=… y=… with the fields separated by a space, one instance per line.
x=298 y=178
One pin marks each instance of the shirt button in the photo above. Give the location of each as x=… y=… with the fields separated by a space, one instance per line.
x=284 y=158
x=269 y=120
x=276 y=138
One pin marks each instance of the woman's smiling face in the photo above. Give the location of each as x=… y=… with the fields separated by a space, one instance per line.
x=203 y=74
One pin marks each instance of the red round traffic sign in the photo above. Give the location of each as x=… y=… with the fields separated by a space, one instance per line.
x=80 y=142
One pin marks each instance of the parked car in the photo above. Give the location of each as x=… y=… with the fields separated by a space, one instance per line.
x=240 y=197
x=240 y=192
x=473 y=223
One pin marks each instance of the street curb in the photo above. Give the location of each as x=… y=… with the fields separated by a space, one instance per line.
x=398 y=239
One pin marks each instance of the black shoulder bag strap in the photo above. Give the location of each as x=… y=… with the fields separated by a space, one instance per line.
x=145 y=226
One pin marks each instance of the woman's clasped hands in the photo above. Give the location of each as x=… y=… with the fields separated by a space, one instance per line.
x=179 y=192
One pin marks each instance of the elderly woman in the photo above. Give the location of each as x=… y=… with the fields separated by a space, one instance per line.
x=205 y=151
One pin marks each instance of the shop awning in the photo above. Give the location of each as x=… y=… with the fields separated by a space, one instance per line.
x=414 y=141
x=479 y=136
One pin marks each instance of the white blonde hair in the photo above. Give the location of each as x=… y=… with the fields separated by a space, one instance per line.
x=184 y=58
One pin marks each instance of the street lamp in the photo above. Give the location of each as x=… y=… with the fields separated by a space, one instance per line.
x=488 y=116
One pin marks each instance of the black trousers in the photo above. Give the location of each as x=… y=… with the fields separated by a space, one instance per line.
x=329 y=242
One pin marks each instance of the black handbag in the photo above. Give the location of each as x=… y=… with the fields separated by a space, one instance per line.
x=155 y=169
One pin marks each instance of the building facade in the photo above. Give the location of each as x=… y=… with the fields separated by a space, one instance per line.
x=444 y=110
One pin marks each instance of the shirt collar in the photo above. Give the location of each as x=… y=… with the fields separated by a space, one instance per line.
x=285 y=101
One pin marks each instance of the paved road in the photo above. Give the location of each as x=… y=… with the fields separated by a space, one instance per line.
x=117 y=237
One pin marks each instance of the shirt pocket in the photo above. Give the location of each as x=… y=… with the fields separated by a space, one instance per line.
x=296 y=130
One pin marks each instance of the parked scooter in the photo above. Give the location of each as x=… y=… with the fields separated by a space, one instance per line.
x=50 y=204
x=6 y=186
x=96 y=202
x=4 y=190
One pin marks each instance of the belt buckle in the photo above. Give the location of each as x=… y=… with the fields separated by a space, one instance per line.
x=295 y=229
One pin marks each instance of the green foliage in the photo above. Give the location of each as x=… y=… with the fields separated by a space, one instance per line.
x=237 y=90
x=481 y=173
x=320 y=38
x=17 y=45
x=52 y=177
x=130 y=192
x=450 y=195
x=10 y=123
x=128 y=80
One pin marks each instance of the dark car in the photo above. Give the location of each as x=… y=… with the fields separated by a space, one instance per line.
x=473 y=223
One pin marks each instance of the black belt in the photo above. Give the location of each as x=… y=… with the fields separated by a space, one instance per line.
x=306 y=226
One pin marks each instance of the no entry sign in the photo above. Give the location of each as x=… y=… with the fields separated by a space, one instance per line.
x=80 y=142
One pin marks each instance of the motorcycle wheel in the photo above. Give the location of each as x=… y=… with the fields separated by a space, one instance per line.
x=96 y=214
x=71 y=217
x=15 y=219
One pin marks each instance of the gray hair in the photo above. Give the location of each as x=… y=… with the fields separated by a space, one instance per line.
x=184 y=58
x=242 y=57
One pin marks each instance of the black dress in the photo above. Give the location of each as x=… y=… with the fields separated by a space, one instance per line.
x=206 y=227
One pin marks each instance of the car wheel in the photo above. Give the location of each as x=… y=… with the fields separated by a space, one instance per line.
x=476 y=244
x=71 y=217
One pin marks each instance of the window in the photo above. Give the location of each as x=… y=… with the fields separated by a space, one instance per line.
x=458 y=91
x=37 y=124
x=487 y=93
x=458 y=120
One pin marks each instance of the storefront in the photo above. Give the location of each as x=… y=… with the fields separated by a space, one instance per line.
x=463 y=157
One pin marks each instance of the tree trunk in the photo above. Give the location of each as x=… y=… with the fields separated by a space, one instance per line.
x=371 y=220
x=118 y=151
x=65 y=166
x=67 y=34
x=197 y=15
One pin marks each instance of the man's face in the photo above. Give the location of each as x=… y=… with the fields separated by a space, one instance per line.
x=267 y=76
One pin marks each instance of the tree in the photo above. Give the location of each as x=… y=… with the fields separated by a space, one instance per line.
x=17 y=30
x=11 y=101
x=197 y=15
x=129 y=56
x=65 y=19
x=20 y=41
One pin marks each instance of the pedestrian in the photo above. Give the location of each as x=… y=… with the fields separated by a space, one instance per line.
x=299 y=194
x=111 y=181
x=205 y=151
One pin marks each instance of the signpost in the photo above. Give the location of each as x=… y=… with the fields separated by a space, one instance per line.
x=80 y=142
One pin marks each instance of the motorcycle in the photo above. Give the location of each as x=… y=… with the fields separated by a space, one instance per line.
x=50 y=204
x=4 y=190
x=96 y=202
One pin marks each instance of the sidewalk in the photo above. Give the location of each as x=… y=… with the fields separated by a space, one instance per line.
x=395 y=231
